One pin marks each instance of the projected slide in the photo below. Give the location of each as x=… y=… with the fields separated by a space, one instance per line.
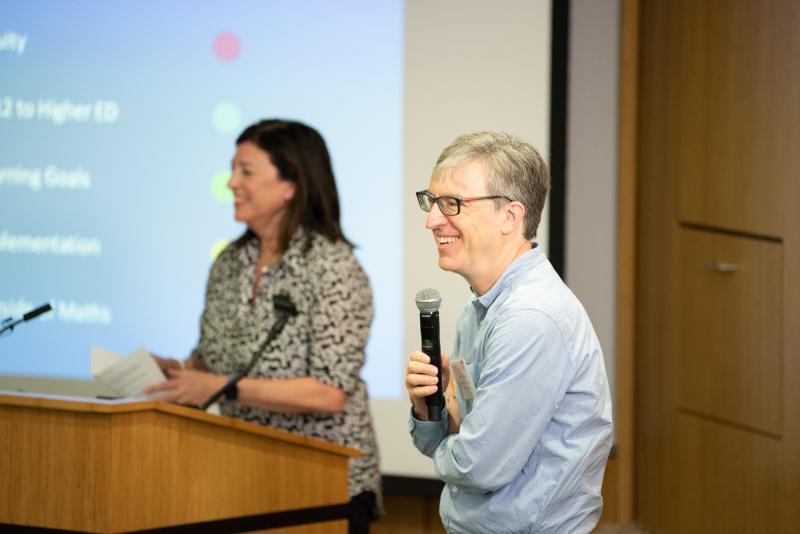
x=117 y=126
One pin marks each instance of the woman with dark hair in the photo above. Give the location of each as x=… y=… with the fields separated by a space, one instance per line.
x=307 y=379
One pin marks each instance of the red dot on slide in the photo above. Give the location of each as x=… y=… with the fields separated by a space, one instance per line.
x=226 y=46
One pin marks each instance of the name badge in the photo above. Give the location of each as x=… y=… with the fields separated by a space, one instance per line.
x=464 y=382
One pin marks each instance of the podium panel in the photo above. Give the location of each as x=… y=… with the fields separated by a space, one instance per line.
x=97 y=466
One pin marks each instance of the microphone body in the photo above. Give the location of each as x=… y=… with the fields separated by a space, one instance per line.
x=429 y=328
x=44 y=308
x=428 y=301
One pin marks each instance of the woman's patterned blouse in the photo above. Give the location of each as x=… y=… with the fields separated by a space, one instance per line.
x=324 y=341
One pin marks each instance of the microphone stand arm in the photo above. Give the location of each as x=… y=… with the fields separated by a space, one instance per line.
x=234 y=378
x=10 y=326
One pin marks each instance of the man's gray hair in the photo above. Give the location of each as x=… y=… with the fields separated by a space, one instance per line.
x=516 y=170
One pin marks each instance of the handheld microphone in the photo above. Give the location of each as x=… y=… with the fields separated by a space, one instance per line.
x=428 y=301
x=9 y=325
x=284 y=309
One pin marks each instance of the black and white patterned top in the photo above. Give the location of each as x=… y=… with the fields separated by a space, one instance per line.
x=325 y=341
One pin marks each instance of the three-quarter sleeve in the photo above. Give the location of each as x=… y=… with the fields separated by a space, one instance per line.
x=340 y=322
x=216 y=285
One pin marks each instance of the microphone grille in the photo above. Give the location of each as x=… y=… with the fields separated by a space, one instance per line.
x=428 y=300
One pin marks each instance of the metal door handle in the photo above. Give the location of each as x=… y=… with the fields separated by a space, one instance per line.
x=722 y=266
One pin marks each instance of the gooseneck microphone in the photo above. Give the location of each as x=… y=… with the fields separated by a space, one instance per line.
x=428 y=301
x=9 y=324
x=284 y=309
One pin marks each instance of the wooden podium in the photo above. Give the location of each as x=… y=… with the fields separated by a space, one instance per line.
x=120 y=466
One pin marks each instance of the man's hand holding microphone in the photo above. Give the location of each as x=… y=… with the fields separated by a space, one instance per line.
x=428 y=371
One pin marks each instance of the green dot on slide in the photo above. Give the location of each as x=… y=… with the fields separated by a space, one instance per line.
x=227 y=117
x=219 y=187
x=217 y=247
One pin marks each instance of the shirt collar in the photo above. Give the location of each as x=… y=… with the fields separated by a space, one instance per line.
x=291 y=259
x=522 y=264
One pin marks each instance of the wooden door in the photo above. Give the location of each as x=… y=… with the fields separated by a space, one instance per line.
x=718 y=266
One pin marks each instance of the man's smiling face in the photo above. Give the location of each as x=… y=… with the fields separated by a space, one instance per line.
x=468 y=243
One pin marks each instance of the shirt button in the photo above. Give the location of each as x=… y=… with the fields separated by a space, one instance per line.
x=454 y=489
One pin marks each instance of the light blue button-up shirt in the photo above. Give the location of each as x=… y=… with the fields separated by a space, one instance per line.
x=533 y=444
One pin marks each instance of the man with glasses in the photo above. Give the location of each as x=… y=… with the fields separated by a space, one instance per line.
x=523 y=440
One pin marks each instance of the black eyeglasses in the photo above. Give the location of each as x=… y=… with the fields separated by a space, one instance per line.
x=449 y=205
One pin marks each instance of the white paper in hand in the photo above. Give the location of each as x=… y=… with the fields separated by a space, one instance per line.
x=126 y=376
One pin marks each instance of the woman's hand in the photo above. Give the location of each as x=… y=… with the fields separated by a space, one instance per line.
x=421 y=380
x=187 y=387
